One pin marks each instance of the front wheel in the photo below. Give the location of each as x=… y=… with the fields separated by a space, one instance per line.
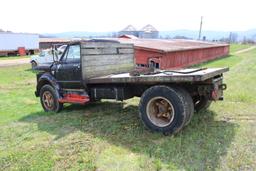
x=33 y=64
x=49 y=99
x=162 y=109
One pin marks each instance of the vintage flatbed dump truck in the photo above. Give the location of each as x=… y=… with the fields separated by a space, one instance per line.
x=101 y=69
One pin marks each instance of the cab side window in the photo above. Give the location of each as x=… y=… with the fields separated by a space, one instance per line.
x=42 y=54
x=73 y=53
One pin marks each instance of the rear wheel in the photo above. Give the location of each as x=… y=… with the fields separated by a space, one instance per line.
x=201 y=103
x=189 y=105
x=49 y=99
x=162 y=109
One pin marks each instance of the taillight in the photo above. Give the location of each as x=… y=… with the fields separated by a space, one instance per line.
x=215 y=94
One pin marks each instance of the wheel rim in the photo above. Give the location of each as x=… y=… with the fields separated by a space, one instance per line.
x=160 y=111
x=48 y=100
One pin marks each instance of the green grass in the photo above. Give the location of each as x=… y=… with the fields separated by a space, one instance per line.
x=109 y=135
x=12 y=57
x=238 y=47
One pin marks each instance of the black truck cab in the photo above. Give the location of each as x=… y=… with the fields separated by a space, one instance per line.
x=67 y=70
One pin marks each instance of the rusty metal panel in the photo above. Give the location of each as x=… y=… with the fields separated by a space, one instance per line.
x=181 y=59
x=142 y=56
x=161 y=45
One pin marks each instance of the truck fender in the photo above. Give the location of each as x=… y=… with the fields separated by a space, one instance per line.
x=44 y=79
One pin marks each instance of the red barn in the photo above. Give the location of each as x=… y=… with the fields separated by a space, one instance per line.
x=128 y=36
x=167 y=54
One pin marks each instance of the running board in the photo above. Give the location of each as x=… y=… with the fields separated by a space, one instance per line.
x=74 y=98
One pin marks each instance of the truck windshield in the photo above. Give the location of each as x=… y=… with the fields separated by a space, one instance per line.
x=42 y=54
x=62 y=48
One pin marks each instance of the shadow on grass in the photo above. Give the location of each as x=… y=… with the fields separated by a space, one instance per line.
x=198 y=147
x=31 y=70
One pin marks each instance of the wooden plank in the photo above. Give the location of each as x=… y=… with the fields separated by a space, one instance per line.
x=88 y=75
x=100 y=58
x=105 y=44
x=105 y=58
x=107 y=62
x=109 y=67
x=213 y=72
x=126 y=50
x=141 y=79
x=97 y=51
x=107 y=70
x=159 y=78
x=105 y=66
x=110 y=50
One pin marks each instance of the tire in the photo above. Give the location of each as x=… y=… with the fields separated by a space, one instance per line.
x=48 y=93
x=201 y=103
x=189 y=105
x=149 y=109
x=33 y=64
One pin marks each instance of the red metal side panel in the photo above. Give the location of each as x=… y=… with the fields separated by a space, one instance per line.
x=142 y=56
x=180 y=59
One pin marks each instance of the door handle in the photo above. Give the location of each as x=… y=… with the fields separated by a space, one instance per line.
x=76 y=65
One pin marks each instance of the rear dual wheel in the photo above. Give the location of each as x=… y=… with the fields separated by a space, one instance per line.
x=165 y=109
x=201 y=103
x=189 y=105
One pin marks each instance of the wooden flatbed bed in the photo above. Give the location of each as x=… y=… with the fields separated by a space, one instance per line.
x=176 y=76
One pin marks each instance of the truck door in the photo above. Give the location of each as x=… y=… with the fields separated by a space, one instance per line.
x=68 y=71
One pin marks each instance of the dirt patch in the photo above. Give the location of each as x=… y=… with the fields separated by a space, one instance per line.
x=14 y=62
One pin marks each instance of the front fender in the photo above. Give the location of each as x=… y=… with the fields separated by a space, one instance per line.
x=44 y=79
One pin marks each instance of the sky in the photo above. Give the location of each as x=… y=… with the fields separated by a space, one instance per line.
x=54 y=16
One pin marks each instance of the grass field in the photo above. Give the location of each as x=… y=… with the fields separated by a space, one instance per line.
x=238 y=47
x=109 y=135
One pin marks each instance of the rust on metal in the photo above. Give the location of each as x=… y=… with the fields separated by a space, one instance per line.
x=160 y=45
x=160 y=111
x=48 y=100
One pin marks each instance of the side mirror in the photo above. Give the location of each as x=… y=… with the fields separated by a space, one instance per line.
x=55 y=55
x=55 y=58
